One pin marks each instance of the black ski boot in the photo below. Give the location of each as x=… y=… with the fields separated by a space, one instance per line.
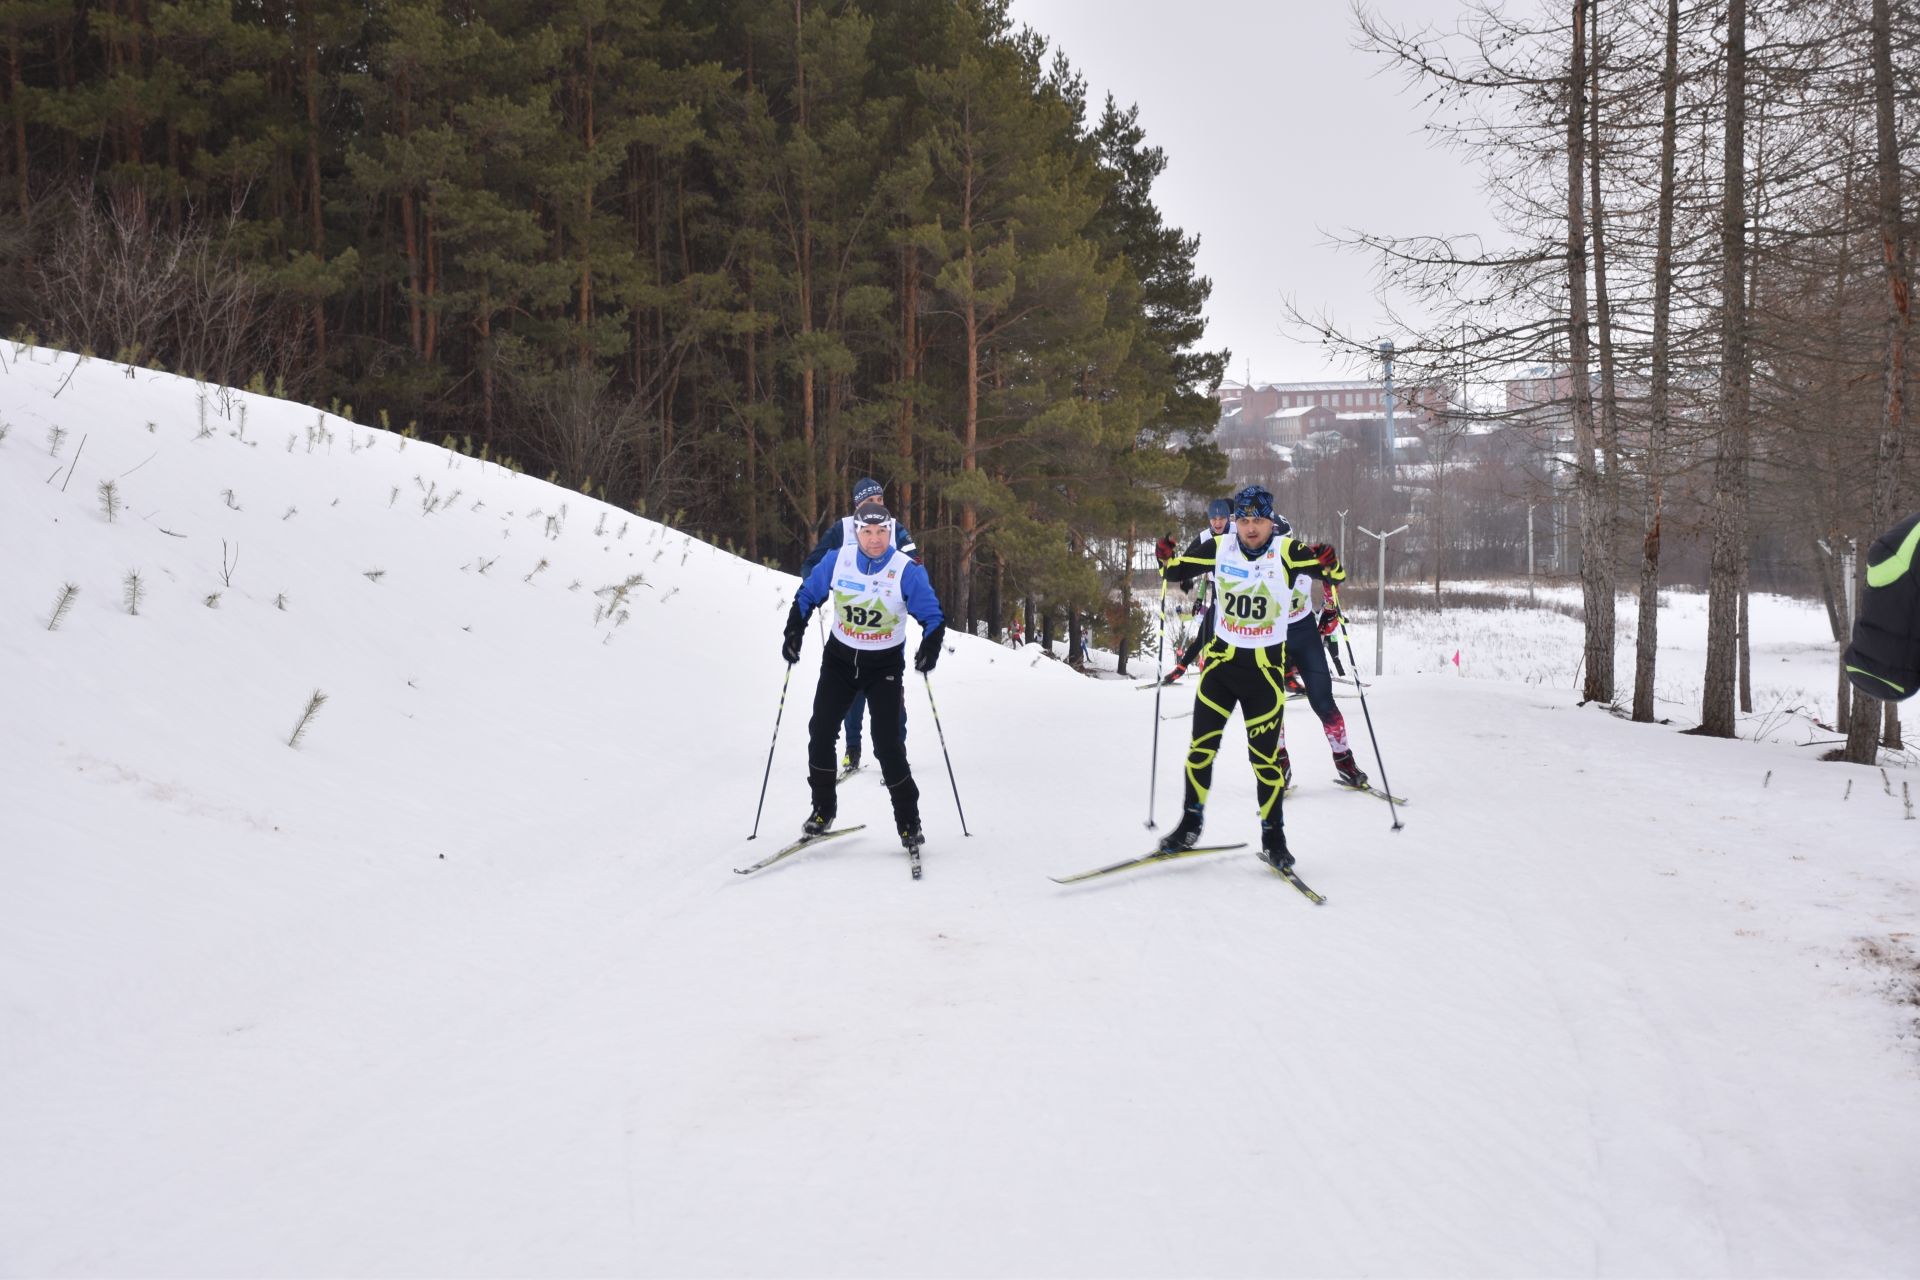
x=911 y=836
x=850 y=761
x=1273 y=846
x=1186 y=835
x=816 y=825
x=1349 y=771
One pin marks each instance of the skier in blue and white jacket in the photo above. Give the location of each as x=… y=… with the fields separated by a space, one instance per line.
x=866 y=494
x=872 y=586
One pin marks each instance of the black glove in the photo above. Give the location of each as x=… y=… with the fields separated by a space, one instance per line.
x=929 y=652
x=796 y=632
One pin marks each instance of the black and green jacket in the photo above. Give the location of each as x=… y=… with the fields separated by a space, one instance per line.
x=1203 y=555
x=1884 y=659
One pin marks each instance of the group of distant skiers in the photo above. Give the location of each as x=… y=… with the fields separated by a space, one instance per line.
x=1259 y=635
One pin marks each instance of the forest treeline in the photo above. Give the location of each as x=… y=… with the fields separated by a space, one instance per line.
x=708 y=259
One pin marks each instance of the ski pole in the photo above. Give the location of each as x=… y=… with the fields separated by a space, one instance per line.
x=776 y=737
x=1380 y=764
x=1159 y=659
x=928 y=681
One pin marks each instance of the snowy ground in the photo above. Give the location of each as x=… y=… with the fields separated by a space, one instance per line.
x=463 y=984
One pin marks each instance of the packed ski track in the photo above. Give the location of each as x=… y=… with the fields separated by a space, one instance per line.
x=464 y=983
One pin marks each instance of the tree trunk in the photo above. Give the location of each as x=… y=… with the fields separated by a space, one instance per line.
x=996 y=614
x=804 y=263
x=1609 y=408
x=317 y=232
x=1899 y=320
x=1595 y=561
x=584 y=348
x=409 y=231
x=969 y=453
x=1730 y=466
x=1746 y=647
x=909 y=367
x=15 y=98
x=1647 y=641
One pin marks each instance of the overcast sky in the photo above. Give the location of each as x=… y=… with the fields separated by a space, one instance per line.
x=1279 y=134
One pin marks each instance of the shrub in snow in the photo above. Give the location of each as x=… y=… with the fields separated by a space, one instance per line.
x=60 y=606
x=314 y=704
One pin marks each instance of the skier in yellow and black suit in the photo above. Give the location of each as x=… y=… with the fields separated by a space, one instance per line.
x=1254 y=574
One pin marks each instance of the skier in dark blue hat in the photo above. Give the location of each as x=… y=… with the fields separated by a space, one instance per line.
x=868 y=497
x=1255 y=568
x=872 y=587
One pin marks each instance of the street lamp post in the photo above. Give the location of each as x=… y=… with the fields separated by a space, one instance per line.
x=1380 y=609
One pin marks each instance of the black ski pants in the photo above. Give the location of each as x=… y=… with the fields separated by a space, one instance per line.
x=1306 y=652
x=1252 y=680
x=845 y=672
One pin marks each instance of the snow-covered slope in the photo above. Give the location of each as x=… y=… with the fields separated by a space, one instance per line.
x=463 y=983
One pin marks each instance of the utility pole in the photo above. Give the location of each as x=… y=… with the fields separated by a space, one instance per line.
x=1529 y=555
x=1386 y=438
x=1380 y=610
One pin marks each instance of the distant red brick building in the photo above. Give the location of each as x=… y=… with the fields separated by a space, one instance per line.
x=1261 y=423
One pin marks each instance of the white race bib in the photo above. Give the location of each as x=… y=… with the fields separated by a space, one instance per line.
x=869 y=609
x=1252 y=598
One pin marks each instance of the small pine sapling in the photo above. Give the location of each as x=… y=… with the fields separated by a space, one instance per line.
x=61 y=604
x=539 y=568
x=374 y=575
x=212 y=601
x=280 y=602
x=233 y=503
x=314 y=704
x=110 y=500
x=55 y=437
x=291 y=513
x=134 y=591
